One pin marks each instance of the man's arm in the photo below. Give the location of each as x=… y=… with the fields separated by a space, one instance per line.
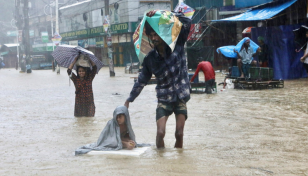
x=254 y=54
x=302 y=59
x=143 y=78
x=238 y=54
x=196 y=73
x=185 y=28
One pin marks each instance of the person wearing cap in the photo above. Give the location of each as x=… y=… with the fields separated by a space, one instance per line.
x=209 y=74
x=245 y=56
x=263 y=55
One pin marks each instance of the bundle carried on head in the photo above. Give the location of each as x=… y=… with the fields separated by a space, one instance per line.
x=83 y=61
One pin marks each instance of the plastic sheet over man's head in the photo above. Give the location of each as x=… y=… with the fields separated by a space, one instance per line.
x=228 y=51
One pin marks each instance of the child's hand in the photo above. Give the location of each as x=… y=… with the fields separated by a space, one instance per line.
x=131 y=144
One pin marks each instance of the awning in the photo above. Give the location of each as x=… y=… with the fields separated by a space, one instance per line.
x=260 y=14
x=11 y=45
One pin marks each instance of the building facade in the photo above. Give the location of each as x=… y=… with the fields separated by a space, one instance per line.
x=83 y=24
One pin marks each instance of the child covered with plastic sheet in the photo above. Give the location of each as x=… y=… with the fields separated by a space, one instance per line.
x=116 y=135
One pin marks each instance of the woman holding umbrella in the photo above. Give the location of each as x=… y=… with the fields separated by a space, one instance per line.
x=84 y=100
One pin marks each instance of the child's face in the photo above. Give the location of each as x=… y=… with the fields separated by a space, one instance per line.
x=81 y=72
x=121 y=119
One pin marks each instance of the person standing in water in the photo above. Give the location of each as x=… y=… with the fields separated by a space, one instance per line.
x=173 y=86
x=84 y=100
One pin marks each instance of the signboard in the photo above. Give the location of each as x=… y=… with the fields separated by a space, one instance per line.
x=31 y=33
x=195 y=32
x=83 y=43
x=100 y=42
x=20 y=36
x=91 y=42
x=75 y=34
x=119 y=28
x=106 y=23
x=42 y=47
x=14 y=33
x=44 y=37
x=97 y=31
x=73 y=42
x=109 y=40
x=56 y=38
x=11 y=33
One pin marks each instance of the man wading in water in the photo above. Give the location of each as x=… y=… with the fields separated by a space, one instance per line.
x=173 y=87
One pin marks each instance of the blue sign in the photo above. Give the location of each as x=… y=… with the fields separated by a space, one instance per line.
x=83 y=43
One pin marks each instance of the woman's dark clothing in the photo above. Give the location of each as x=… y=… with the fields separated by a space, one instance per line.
x=84 y=100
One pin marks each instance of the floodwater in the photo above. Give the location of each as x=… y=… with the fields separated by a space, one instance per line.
x=233 y=132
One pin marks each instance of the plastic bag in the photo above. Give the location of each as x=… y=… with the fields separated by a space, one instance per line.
x=83 y=61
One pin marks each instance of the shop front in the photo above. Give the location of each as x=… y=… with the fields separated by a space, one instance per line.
x=94 y=39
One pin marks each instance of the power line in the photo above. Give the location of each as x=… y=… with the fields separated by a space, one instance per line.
x=91 y=10
x=97 y=8
x=134 y=9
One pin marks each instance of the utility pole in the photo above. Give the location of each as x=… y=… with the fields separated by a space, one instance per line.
x=18 y=27
x=57 y=17
x=109 y=41
x=51 y=20
x=26 y=37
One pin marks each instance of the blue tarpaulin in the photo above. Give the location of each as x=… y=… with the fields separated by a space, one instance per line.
x=283 y=58
x=260 y=13
x=228 y=51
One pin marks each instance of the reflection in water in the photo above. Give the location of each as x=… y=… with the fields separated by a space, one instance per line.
x=233 y=132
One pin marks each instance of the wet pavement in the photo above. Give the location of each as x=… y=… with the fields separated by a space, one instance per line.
x=233 y=132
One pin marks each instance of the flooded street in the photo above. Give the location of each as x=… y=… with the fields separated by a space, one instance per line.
x=233 y=132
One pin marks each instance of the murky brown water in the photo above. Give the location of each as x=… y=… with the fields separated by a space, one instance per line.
x=233 y=132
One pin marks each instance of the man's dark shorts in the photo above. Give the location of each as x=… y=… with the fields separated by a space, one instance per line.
x=166 y=109
x=209 y=85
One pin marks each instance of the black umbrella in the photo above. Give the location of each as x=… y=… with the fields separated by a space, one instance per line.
x=65 y=55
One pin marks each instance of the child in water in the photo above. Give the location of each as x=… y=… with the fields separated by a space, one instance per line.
x=124 y=133
x=116 y=135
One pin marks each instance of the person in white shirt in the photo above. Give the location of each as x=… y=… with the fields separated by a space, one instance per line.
x=304 y=59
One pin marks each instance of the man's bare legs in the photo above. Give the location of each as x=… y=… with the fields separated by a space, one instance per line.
x=179 y=130
x=239 y=64
x=161 y=131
